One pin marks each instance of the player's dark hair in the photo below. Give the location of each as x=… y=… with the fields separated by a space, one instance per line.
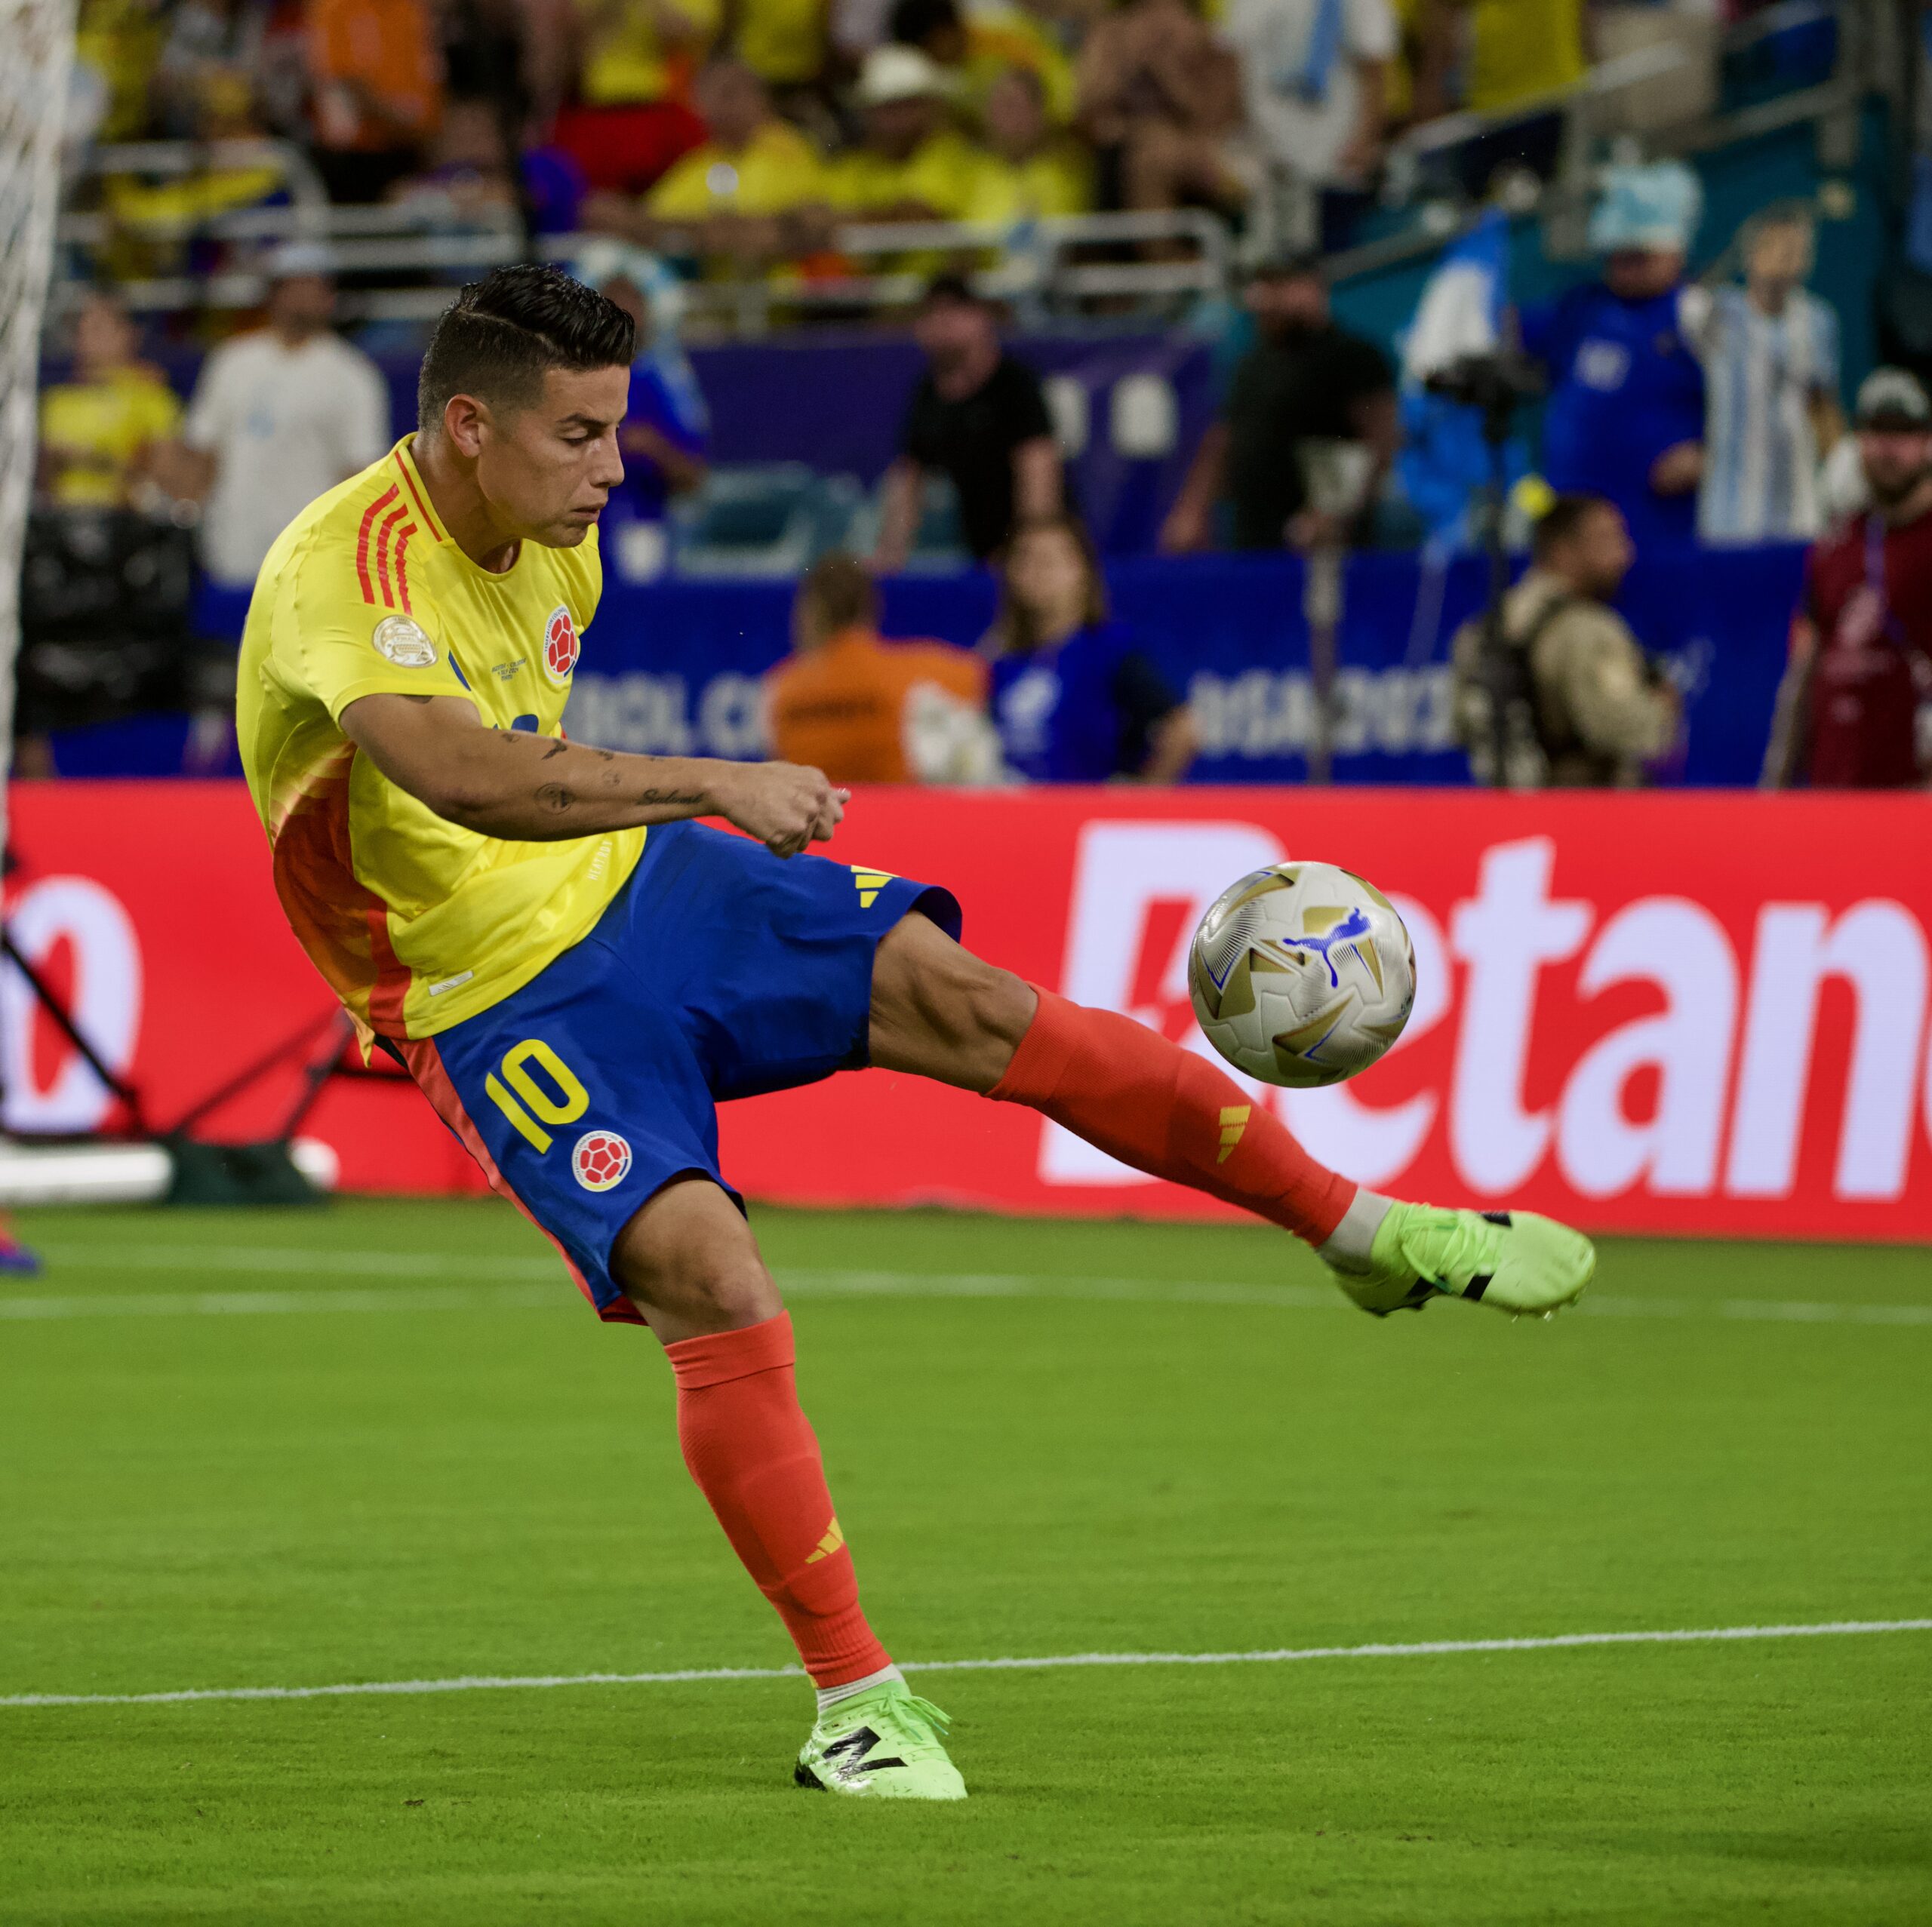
x=1017 y=627
x=504 y=333
x=1561 y=520
x=839 y=593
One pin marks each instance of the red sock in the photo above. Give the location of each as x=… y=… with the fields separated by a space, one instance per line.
x=755 y=1457
x=1163 y=1110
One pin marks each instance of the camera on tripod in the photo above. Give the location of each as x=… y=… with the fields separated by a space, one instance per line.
x=1497 y=383
x=1496 y=708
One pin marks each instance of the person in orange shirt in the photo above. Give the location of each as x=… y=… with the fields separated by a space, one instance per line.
x=866 y=711
x=378 y=92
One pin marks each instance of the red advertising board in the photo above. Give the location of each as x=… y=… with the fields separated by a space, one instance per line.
x=1693 y=1013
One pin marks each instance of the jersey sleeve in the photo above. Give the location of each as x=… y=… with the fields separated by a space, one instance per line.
x=331 y=641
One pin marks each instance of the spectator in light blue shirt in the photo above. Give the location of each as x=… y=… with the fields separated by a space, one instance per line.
x=1770 y=354
x=1625 y=414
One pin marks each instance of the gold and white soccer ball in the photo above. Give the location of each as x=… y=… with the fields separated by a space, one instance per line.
x=1301 y=974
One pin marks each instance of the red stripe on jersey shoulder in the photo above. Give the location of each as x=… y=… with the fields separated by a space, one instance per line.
x=383 y=535
x=416 y=494
x=362 y=536
x=402 y=535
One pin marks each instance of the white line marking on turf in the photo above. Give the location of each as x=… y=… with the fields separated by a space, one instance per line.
x=1272 y=1656
x=547 y=1289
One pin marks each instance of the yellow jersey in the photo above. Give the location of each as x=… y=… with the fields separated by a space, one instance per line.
x=942 y=172
x=416 y=923
x=625 y=62
x=783 y=41
x=1057 y=180
x=1521 y=49
x=96 y=431
x=776 y=170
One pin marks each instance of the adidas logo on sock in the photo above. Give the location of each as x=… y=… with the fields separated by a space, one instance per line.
x=1234 y=1121
x=834 y=1539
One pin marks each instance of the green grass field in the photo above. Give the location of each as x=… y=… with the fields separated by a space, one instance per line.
x=383 y=1442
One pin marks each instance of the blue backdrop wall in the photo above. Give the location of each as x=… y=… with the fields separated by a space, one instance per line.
x=672 y=668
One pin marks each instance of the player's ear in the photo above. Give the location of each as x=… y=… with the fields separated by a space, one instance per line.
x=464 y=421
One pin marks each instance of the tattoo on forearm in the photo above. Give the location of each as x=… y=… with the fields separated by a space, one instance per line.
x=556 y=797
x=557 y=748
x=656 y=796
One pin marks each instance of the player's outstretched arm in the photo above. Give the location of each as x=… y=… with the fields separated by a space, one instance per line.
x=531 y=788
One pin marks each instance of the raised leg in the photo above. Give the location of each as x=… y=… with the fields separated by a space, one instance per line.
x=943 y=1012
x=940 y=1011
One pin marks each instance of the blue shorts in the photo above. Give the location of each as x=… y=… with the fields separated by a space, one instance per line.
x=719 y=971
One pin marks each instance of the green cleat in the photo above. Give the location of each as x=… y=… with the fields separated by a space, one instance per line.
x=884 y=1744
x=1514 y=1260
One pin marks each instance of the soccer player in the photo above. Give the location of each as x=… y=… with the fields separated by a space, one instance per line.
x=575 y=971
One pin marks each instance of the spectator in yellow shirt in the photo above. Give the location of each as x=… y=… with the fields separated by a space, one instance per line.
x=1520 y=50
x=102 y=435
x=739 y=199
x=784 y=42
x=1031 y=170
x=910 y=165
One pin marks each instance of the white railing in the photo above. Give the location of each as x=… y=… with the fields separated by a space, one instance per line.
x=414 y=239
x=1037 y=266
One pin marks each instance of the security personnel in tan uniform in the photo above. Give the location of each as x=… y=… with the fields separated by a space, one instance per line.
x=1596 y=713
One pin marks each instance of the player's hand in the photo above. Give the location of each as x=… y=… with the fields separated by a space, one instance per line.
x=784 y=805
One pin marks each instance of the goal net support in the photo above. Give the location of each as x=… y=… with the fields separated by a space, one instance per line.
x=38 y=37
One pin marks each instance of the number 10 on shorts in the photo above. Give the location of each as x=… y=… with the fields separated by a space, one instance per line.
x=536 y=1085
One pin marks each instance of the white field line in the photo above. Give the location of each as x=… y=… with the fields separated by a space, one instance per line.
x=1273 y=1656
x=546 y=1288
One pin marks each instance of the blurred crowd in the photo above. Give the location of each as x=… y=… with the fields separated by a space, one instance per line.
x=736 y=133
x=673 y=136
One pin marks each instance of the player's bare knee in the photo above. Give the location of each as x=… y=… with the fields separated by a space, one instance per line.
x=687 y=1260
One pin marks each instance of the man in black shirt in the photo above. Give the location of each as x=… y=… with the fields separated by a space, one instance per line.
x=1306 y=382
x=977 y=416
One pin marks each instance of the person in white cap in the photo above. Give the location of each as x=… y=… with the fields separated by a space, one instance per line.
x=281 y=415
x=909 y=165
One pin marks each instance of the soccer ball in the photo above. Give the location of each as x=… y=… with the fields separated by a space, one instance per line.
x=1301 y=974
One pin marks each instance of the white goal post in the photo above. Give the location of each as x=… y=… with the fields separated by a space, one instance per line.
x=38 y=37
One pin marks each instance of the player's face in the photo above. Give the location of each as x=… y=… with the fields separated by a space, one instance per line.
x=547 y=471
